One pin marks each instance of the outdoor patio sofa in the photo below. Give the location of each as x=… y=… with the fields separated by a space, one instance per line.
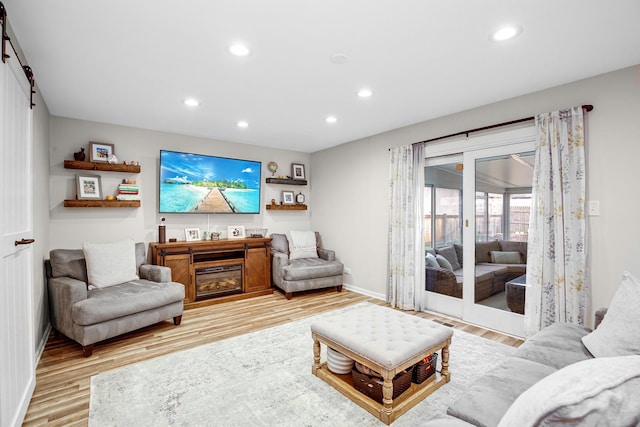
x=497 y=262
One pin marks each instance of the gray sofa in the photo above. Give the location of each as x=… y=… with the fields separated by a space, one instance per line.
x=88 y=315
x=490 y=276
x=555 y=350
x=303 y=274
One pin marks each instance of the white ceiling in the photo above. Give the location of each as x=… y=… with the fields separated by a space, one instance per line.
x=133 y=62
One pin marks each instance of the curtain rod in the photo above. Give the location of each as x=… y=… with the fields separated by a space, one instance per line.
x=512 y=122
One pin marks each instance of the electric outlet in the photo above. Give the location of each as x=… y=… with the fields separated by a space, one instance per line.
x=347 y=270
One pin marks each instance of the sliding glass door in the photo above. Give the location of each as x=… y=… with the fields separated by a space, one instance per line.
x=476 y=228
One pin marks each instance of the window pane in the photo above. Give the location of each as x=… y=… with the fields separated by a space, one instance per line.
x=495 y=217
x=447 y=217
x=519 y=216
x=427 y=217
x=481 y=217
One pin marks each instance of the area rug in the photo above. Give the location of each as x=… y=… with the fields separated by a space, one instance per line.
x=262 y=379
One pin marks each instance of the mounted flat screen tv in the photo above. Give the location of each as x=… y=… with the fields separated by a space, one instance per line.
x=198 y=183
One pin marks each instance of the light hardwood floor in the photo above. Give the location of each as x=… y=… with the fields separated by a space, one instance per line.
x=63 y=375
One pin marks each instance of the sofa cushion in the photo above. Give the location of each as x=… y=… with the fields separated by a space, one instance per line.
x=459 y=253
x=302 y=244
x=619 y=331
x=557 y=345
x=68 y=262
x=124 y=299
x=443 y=262
x=111 y=263
x=311 y=268
x=595 y=392
x=483 y=250
x=279 y=243
x=513 y=246
x=490 y=268
x=430 y=261
x=501 y=257
x=449 y=252
x=487 y=400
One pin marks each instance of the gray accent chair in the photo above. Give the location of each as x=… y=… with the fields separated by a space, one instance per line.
x=306 y=273
x=88 y=316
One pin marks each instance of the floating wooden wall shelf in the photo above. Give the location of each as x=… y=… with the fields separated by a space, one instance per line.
x=102 y=203
x=98 y=166
x=286 y=207
x=286 y=181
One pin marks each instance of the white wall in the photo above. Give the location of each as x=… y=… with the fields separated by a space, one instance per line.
x=350 y=182
x=70 y=227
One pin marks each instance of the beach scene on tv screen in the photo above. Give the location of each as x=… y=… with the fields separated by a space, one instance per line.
x=194 y=183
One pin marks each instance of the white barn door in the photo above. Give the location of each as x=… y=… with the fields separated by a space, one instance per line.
x=17 y=346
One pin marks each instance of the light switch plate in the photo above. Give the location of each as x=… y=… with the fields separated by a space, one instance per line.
x=594 y=208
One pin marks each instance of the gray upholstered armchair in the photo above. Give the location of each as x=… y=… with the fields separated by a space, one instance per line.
x=88 y=309
x=294 y=270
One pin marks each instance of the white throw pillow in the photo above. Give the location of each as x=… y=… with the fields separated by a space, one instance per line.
x=499 y=257
x=431 y=260
x=594 y=392
x=302 y=244
x=110 y=264
x=619 y=332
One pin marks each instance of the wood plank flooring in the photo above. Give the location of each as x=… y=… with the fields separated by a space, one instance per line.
x=63 y=375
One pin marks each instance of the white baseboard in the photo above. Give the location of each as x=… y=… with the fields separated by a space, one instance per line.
x=366 y=292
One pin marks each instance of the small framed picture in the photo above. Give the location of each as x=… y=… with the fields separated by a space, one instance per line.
x=192 y=234
x=100 y=151
x=88 y=187
x=287 y=198
x=297 y=171
x=236 y=232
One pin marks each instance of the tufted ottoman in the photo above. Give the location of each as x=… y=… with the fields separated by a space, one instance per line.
x=387 y=341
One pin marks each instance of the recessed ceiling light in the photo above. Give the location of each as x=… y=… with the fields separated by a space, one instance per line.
x=191 y=102
x=365 y=93
x=239 y=49
x=242 y=124
x=331 y=119
x=339 y=58
x=505 y=33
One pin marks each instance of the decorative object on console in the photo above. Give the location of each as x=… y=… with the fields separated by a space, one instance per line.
x=256 y=232
x=162 y=231
x=113 y=159
x=88 y=187
x=128 y=190
x=287 y=198
x=192 y=234
x=236 y=232
x=80 y=155
x=297 y=171
x=273 y=168
x=101 y=152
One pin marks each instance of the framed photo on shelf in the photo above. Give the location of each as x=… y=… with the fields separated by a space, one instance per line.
x=287 y=198
x=88 y=187
x=192 y=234
x=236 y=232
x=100 y=151
x=297 y=171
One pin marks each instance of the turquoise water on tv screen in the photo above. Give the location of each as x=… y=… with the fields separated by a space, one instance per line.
x=183 y=198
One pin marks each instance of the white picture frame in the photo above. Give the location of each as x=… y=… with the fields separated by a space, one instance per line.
x=236 y=232
x=288 y=198
x=192 y=234
x=88 y=187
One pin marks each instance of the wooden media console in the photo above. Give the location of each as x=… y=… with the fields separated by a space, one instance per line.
x=215 y=271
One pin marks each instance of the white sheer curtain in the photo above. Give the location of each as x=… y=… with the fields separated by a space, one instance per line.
x=556 y=271
x=405 y=289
